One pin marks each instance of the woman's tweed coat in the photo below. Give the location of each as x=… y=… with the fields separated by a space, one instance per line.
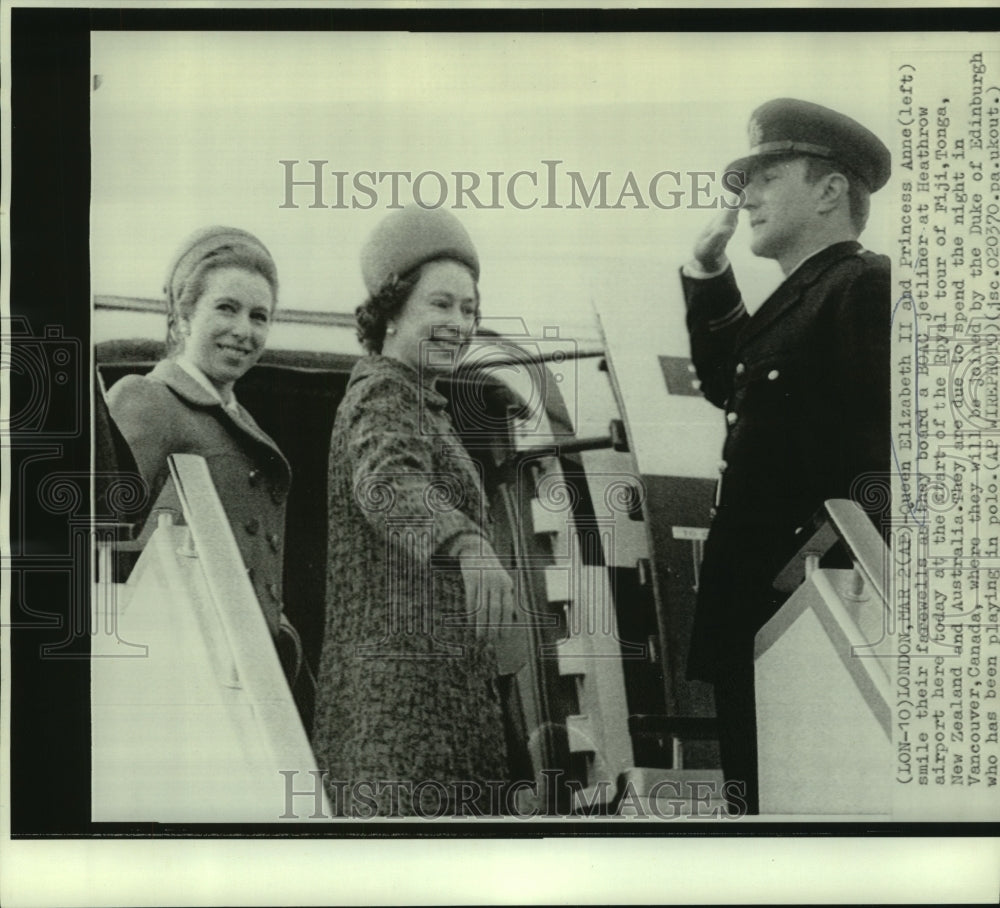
x=406 y=691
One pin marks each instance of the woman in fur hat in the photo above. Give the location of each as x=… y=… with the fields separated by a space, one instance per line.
x=221 y=291
x=408 y=720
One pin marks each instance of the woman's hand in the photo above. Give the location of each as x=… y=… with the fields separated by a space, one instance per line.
x=489 y=591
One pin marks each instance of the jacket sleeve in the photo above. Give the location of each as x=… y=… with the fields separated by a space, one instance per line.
x=393 y=472
x=715 y=314
x=136 y=406
x=860 y=354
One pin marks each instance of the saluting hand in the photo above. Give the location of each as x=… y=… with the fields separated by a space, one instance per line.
x=489 y=590
x=710 y=247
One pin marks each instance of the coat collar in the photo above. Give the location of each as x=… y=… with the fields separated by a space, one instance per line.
x=183 y=384
x=379 y=366
x=188 y=389
x=791 y=289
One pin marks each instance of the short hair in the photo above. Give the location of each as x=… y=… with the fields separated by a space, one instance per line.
x=374 y=314
x=858 y=195
x=244 y=257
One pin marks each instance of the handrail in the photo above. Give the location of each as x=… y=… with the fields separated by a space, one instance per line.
x=587 y=346
x=844 y=520
x=258 y=670
x=293 y=316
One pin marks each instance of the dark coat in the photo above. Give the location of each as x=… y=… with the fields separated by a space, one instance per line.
x=405 y=690
x=168 y=412
x=805 y=385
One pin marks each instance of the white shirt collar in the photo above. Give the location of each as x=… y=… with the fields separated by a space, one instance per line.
x=203 y=380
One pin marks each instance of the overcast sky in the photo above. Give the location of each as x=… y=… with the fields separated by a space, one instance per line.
x=189 y=129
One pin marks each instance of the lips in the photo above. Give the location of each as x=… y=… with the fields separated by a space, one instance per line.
x=240 y=351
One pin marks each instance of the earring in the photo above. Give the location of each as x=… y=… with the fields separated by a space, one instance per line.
x=391 y=329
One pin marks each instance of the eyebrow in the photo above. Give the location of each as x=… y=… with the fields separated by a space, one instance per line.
x=238 y=302
x=451 y=296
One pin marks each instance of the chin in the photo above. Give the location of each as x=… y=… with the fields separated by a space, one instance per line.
x=761 y=247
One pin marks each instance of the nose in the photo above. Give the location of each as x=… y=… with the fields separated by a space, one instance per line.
x=751 y=193
x=242 y=326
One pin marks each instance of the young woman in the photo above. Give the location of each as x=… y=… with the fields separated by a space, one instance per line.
x=221 y=292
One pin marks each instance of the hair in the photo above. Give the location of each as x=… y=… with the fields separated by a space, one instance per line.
x=858 y=195
x=375 y=313
x=245 y=257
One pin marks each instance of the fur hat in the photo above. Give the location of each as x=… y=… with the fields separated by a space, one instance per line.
x=203 y=244
x=411 y=236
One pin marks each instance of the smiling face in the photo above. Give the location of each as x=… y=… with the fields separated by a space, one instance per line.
x=781 y=206
x=435 y=320
x=226 y=332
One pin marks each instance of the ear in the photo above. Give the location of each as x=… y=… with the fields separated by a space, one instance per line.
x=832 y=192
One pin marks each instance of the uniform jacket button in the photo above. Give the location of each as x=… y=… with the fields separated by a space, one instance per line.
x=277 y=496
x=252 y=526
x=730 y=418
x=741 y=368
x=274 y=540
x=722 y=466
x=773 y=374
x=254 y=478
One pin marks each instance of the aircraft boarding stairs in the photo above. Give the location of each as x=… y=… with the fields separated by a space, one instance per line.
x=191 y=717
x=823 y=689
x=192 y=720
x=823 y=695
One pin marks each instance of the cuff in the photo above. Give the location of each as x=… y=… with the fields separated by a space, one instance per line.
x=693 y=269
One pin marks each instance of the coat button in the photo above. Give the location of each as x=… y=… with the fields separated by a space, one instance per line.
x=773 y=374
x=252 y=526
x=722 y=466
x=254 y=478
x=730 y=418
x=274 y=540
x=741 y=368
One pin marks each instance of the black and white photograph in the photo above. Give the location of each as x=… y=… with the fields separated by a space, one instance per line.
x=443 y=434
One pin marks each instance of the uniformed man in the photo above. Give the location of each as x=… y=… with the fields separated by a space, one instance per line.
x=804 y=382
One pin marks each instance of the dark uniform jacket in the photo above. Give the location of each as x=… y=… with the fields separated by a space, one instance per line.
x=805 y=386
x=168 y=412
